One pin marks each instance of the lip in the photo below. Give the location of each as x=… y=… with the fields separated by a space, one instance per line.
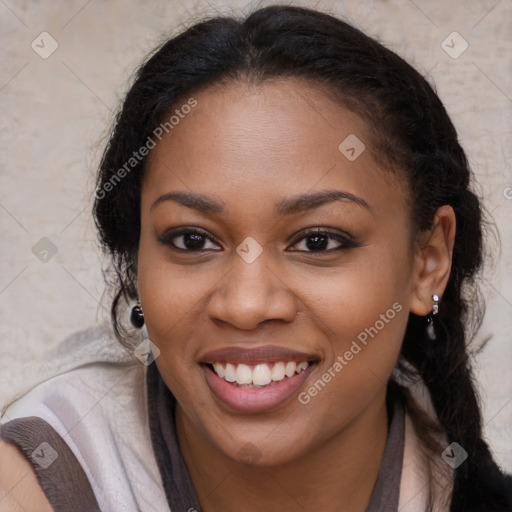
x=254 y=400
x=263 y=354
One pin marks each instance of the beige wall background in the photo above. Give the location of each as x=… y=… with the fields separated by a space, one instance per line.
x=57 y=110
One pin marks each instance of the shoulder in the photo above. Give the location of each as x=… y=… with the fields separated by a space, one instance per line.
x=90 y=399
x=19 y=487
x=93 y=395
x=91 y=353
x=78 y=375
x=41 y=456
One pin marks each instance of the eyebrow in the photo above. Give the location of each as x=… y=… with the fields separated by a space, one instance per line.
x=288 y=206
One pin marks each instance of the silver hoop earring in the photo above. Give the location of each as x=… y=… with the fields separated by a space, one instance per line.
x=431 y=333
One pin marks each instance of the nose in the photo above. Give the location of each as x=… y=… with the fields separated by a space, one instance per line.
x=252 y=293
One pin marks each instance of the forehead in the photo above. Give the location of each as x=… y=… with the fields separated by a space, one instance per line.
x=262 y=142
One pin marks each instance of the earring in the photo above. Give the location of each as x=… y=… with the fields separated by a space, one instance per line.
x=137 y=316
x=435 y=310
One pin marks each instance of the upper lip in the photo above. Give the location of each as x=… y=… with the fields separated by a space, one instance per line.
x=263 y=354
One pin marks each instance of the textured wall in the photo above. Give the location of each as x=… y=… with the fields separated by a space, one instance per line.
x=56 y=110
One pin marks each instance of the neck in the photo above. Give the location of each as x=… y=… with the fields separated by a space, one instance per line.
x=339 y=474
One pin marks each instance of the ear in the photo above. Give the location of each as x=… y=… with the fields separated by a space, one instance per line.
x=433 y=261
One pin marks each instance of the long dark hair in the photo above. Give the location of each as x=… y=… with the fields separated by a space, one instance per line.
x=415 y=138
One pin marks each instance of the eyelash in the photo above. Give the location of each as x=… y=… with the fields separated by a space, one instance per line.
x=346 y=241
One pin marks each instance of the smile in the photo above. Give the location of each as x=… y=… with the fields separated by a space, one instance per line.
x=255 y=380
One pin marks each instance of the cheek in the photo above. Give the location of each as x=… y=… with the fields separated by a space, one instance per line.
x=169 y=295
x=362 y=311
x=365 y=328
x=171 y=299
x=363 y=317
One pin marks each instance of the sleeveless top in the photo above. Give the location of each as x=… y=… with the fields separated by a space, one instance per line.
x=101 y=437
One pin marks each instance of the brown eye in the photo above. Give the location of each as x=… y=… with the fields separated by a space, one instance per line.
x=186 y=239
x=322 y=241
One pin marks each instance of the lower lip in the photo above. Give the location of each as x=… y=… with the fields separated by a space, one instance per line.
x=254 y=399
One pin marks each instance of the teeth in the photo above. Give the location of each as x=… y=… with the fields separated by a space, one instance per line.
x=261 y=374
x=278 y=372
x=243 y=374
x=219 y=370
x=290 y=368
x=230 y=373
x=302 y=366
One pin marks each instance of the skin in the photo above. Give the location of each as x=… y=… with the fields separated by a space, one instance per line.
x=250 y=146
x=19 y=488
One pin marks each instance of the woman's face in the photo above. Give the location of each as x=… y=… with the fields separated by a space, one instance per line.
x=233 y=279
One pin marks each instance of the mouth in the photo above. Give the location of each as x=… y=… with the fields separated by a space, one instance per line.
x=256 y=380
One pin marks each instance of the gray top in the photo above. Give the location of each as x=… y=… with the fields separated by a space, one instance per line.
x=67 y=488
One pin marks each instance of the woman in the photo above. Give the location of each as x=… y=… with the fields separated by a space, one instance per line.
x=288 y=203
